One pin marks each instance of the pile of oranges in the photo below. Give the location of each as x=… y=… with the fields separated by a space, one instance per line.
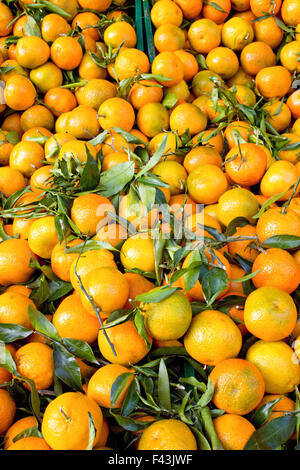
x=150 y=226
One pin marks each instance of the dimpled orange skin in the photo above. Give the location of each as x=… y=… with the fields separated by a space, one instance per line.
x=72 y=320
x=7 y=411
x=61 y=261
x=130 y=347
x=14 y=262
x=277 y=268
x=274 y=222
x=277 y=363
x=89 y=210
x=14 y=309
x=42 y=236
x=238 y=386
x=65 y=424
x=167 y=434
x=212 y=337
x=246 y=164
x=270 y=314
x=99 y=387
x=233 y=431
x=34 y=361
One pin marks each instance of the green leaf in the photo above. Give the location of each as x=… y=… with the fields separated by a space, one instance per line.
x=246 y=277
x=80 y=349
x=114 y=180
x=118 y=386
x=41 y=294
x=286 y=242
x=90 y=245
x=130 y=424
x=155 y=158
x=28 y=432
x=55 y=9
x=262 y=415
x=234 y=224
x=31 y=27
x=131 y=399
x=210 y=429
x=207 y=395
x=12 y=136
x=157 y=294
x=58 y=289
x=91 y=174
x=203 y=443
x=92 y=432
x=9 y=332
x=139 y=323
x=41 y=324
x=163 y=386
x=266 y=205
x=6 y=361
x=273 y=434
x=147 y=195
x=170 y=100
x=213 y=283
x=215 y=5
x=66 y=367
x=130 y=138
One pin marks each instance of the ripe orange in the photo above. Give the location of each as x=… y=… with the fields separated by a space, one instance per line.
x=72 y=320
x=273 y=82
x=246 y=164
x=65 y=424
x=233 y=431
x=130 y=347
x=238 y=386
x=32 y=52
x=167 y=434
x=27 y=157
x=89 y=212
x=275 y=222
x=99 y=387
x=277 y=363
x=152 y=119
x=166 y=12
x=14 y=262
x=19 y=426
x=206 y=184
x=212 y=337
x=34 y=361
x=204 y=35
x=170 y=66
x=66 y=52
x=30 y=443
x=42 y=236
x=7 y=410
x=116 y=112
x=19 y=93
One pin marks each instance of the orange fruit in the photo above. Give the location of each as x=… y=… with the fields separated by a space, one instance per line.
x=120 y=32
x=14 y=262
x=108 y=288
x=234 y=431
x=72 y=320
x=273 y=82
x=237 y=202
x=116 y=112
x=277 y=268
x=256 y=56
x=270 y=313
x=167 y=434
x=152 y=119
x=238 y=386
x=206 y=184
x=262 y=7
x=289 y=56
x=218 y=11
x=34 y=361
x=277 y=363
x=66 y=52
x=293 y=103
x=166 y=12
x=245 y=164
x=290 y=12
x=89 y=212
x=275 y=222
x=60 y=100
x=168 y=319
x=30 y=443
x=7 y=410
x=207 y=339
x=170 y=66
x=53 y=26
x=42 y=236
x=237 y=33
x=100 y=384
x=113 y=234
x=32 y=52
x=19 y=426
x=11 y=180
x=19 y=93
x=27 y=157
x=65 y=424
x=137 y=284
x=190 y=8
x=204 y=35
x=88 y=261
x=142 y=93
x=169 y=37
x=223 y=61
x=268 y=31
x=129 y=346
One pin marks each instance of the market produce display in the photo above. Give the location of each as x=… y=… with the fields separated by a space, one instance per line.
x=150 y=225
